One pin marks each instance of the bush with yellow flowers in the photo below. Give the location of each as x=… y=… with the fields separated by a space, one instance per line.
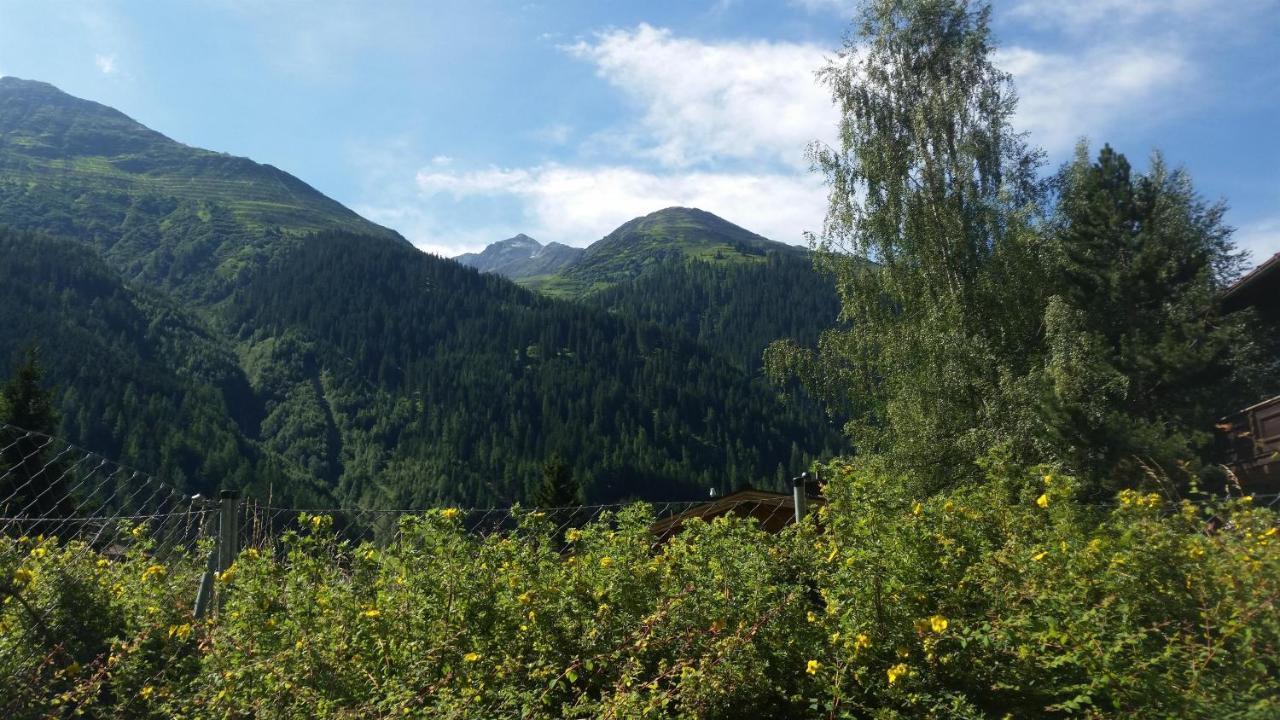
x=1007 y=599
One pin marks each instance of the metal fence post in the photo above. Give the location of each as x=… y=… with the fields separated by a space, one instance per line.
x=799 y=496
x=228 y=530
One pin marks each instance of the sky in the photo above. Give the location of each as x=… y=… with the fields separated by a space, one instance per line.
x=462 y=123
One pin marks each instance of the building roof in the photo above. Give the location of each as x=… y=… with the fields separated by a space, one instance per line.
x=773 y=510
x=1260 y=283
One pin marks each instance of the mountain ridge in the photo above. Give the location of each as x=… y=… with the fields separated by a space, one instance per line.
x=169 y=214
x=323 y=356
x=630 y=250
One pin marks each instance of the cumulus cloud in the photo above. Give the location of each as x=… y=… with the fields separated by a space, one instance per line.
x=721 y=126
x=713 y=101
x=1065 y=96
x=1087 y=15
x=577 y=205
x=105 y=63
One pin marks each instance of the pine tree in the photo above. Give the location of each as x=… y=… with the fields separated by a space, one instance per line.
x=30 y=484
x=557 y=488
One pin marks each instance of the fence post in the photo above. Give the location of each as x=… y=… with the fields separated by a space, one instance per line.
x=799 y=496
x=228 y=530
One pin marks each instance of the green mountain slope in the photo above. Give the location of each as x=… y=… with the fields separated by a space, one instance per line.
x=738 y=308
x=136 y=378
x=172 y=216
x=465 y=384
x=647 y=242
x=689 y=271
x=342 y=365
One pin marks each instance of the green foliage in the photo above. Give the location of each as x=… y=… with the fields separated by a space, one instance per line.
x=557 y=488
x=932 y=185
x=1139 y=359
x=978 y=313
x=1006 y=598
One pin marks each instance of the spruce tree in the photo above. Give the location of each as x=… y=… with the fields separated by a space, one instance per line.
x=31 y=484
x=557 y=488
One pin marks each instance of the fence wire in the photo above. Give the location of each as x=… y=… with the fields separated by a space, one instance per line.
x=58 y=497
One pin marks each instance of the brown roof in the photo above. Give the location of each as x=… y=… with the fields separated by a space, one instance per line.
x=773 y=510
x=1254 y=286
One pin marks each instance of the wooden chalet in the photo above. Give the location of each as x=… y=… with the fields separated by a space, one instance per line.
x=1250 y=438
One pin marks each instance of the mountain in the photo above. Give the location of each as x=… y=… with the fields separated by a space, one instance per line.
x=521 y=257
x=639 y=245
x=690 y=271
x=258 y=334
x=172 y=216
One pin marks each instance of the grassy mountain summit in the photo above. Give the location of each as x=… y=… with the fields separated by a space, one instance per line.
x=644 y=243
x=171 y=215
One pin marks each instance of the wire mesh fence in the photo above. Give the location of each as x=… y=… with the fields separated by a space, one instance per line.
x=94 y=514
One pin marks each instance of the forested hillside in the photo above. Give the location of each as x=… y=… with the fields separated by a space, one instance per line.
x=219 y=322
x=687 y=270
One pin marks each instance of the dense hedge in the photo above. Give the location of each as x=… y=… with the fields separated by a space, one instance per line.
x=1007 y=599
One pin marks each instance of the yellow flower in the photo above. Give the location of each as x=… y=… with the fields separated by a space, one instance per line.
x=938 y=623
x=103 y=563
x=862 y=641
x=450 y=513
x=573 y=535
x=948 y=506
x=137 y=531
x=1040 y=555
x=251 y=553
x=916 y=508
x=811 y=617
x=471 y=657
x=524 y=598
x=146 y=692
x=812 y=667
x=896 y=672
x=832 y=556
x=22 y=576
x=153 y=571
x=1048 y=479
x=1043 y=500
x=606 y=561
x=182 y=632
x=371 y=613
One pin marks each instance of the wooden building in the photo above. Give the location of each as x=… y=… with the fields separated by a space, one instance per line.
x=1251 y=437
x=773 y=511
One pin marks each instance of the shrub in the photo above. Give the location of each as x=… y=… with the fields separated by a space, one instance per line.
x=1009 y=598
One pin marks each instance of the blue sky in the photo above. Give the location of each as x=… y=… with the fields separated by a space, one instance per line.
x=460 y=123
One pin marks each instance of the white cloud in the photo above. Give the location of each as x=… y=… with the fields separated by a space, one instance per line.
x=1260 y=238
x=1087 y=15
x=1065 y=96
x=577 y=206
x=441 y=160
x=705 y=102
x=840 y=7
x=105 y=63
